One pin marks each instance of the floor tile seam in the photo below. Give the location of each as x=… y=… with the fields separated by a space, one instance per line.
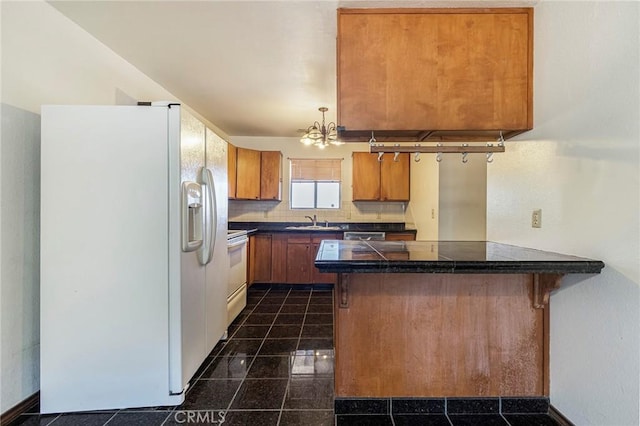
x=304 y=318
x=111 y=418
x=284 y=397
x=321 y=410
x=240 y=410
x=168 y=414
x=54 y=419
x=204 y=370
x=248 y=369
x=446 y=414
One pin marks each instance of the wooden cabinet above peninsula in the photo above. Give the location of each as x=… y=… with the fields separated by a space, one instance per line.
x=435 y=74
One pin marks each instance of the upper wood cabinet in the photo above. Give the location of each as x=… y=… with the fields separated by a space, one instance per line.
x=258 y=174
x=271 y=175
x=248 y=174
x=435 y=74
x=232 y=159
x=385 y=180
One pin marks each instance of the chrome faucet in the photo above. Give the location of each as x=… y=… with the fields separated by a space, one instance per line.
x=313 y=219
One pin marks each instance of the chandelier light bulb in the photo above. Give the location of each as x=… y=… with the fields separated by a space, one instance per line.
x=321 y=135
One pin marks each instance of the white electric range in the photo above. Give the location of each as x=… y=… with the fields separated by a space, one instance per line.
x=237 y=285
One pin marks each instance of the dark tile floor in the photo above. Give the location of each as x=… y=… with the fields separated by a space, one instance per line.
x=276 y=368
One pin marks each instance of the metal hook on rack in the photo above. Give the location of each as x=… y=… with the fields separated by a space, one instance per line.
x=372 y=141
x=416 y=157
x=490 y=154
x=464 y=154
x=396 y=153
x=380 y=154
x=438 y=154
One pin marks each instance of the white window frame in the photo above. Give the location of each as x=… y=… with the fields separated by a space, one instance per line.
x=336 y=178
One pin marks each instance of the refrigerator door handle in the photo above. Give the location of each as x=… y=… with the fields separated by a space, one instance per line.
x=210 y=218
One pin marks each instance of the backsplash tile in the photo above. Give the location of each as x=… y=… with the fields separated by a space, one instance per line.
x=270 y=211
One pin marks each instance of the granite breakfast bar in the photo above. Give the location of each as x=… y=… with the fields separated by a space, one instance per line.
x=443 y=319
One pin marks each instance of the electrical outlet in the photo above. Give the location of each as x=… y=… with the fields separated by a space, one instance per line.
x=536 y=218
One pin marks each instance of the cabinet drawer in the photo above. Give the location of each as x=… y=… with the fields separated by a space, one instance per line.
x=318 y=238
x=400 y=236
x=299 y=238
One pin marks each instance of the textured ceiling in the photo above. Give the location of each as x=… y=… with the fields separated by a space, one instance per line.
x=253 y=68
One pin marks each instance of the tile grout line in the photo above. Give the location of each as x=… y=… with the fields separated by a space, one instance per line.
x=446 y=410
x=284 y=397
x=258 y=350
x=111 y=418
x=224 y=345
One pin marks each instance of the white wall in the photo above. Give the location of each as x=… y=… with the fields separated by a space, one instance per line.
x=581 y=166
x=46 y=59
x=423 y=210
x=20 y=266
x=463 y=197
x=413 y=213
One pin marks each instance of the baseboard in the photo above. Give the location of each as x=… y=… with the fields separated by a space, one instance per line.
x=559 y=417
x=20 y=408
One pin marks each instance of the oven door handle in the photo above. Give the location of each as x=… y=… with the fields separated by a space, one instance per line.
x=238 y=243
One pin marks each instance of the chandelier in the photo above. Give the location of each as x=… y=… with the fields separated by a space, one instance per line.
x=321 y=135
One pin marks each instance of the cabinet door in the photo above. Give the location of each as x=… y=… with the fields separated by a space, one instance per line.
x=261 y=264
x=443 y=70
x=279 y=258
x=232 y=160
x=399 y=236
x=366 y=177
x=298 y=271
x=271 y=175
x=394 y=178
x=248 y=174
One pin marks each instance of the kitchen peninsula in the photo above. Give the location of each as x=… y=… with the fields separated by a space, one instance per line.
x=443 y=319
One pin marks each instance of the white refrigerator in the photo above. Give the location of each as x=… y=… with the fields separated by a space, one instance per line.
x=133 y=254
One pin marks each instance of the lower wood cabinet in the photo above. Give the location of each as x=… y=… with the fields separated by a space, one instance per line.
x=298 y=255
x=400 y=236
x=288 y=258
x=260 y=259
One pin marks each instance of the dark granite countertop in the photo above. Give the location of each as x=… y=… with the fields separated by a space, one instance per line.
x=343 y=226
x=453 y=257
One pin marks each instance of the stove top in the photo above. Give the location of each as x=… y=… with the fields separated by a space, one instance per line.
x=231 y=233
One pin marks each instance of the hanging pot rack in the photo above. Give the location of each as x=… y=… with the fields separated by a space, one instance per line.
x=437 y=149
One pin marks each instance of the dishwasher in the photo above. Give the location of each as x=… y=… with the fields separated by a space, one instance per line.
x=364 y=236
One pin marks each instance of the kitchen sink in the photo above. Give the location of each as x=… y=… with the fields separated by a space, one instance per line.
x=314 y=228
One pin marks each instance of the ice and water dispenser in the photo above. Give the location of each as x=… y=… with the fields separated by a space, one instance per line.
x=192 y=216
